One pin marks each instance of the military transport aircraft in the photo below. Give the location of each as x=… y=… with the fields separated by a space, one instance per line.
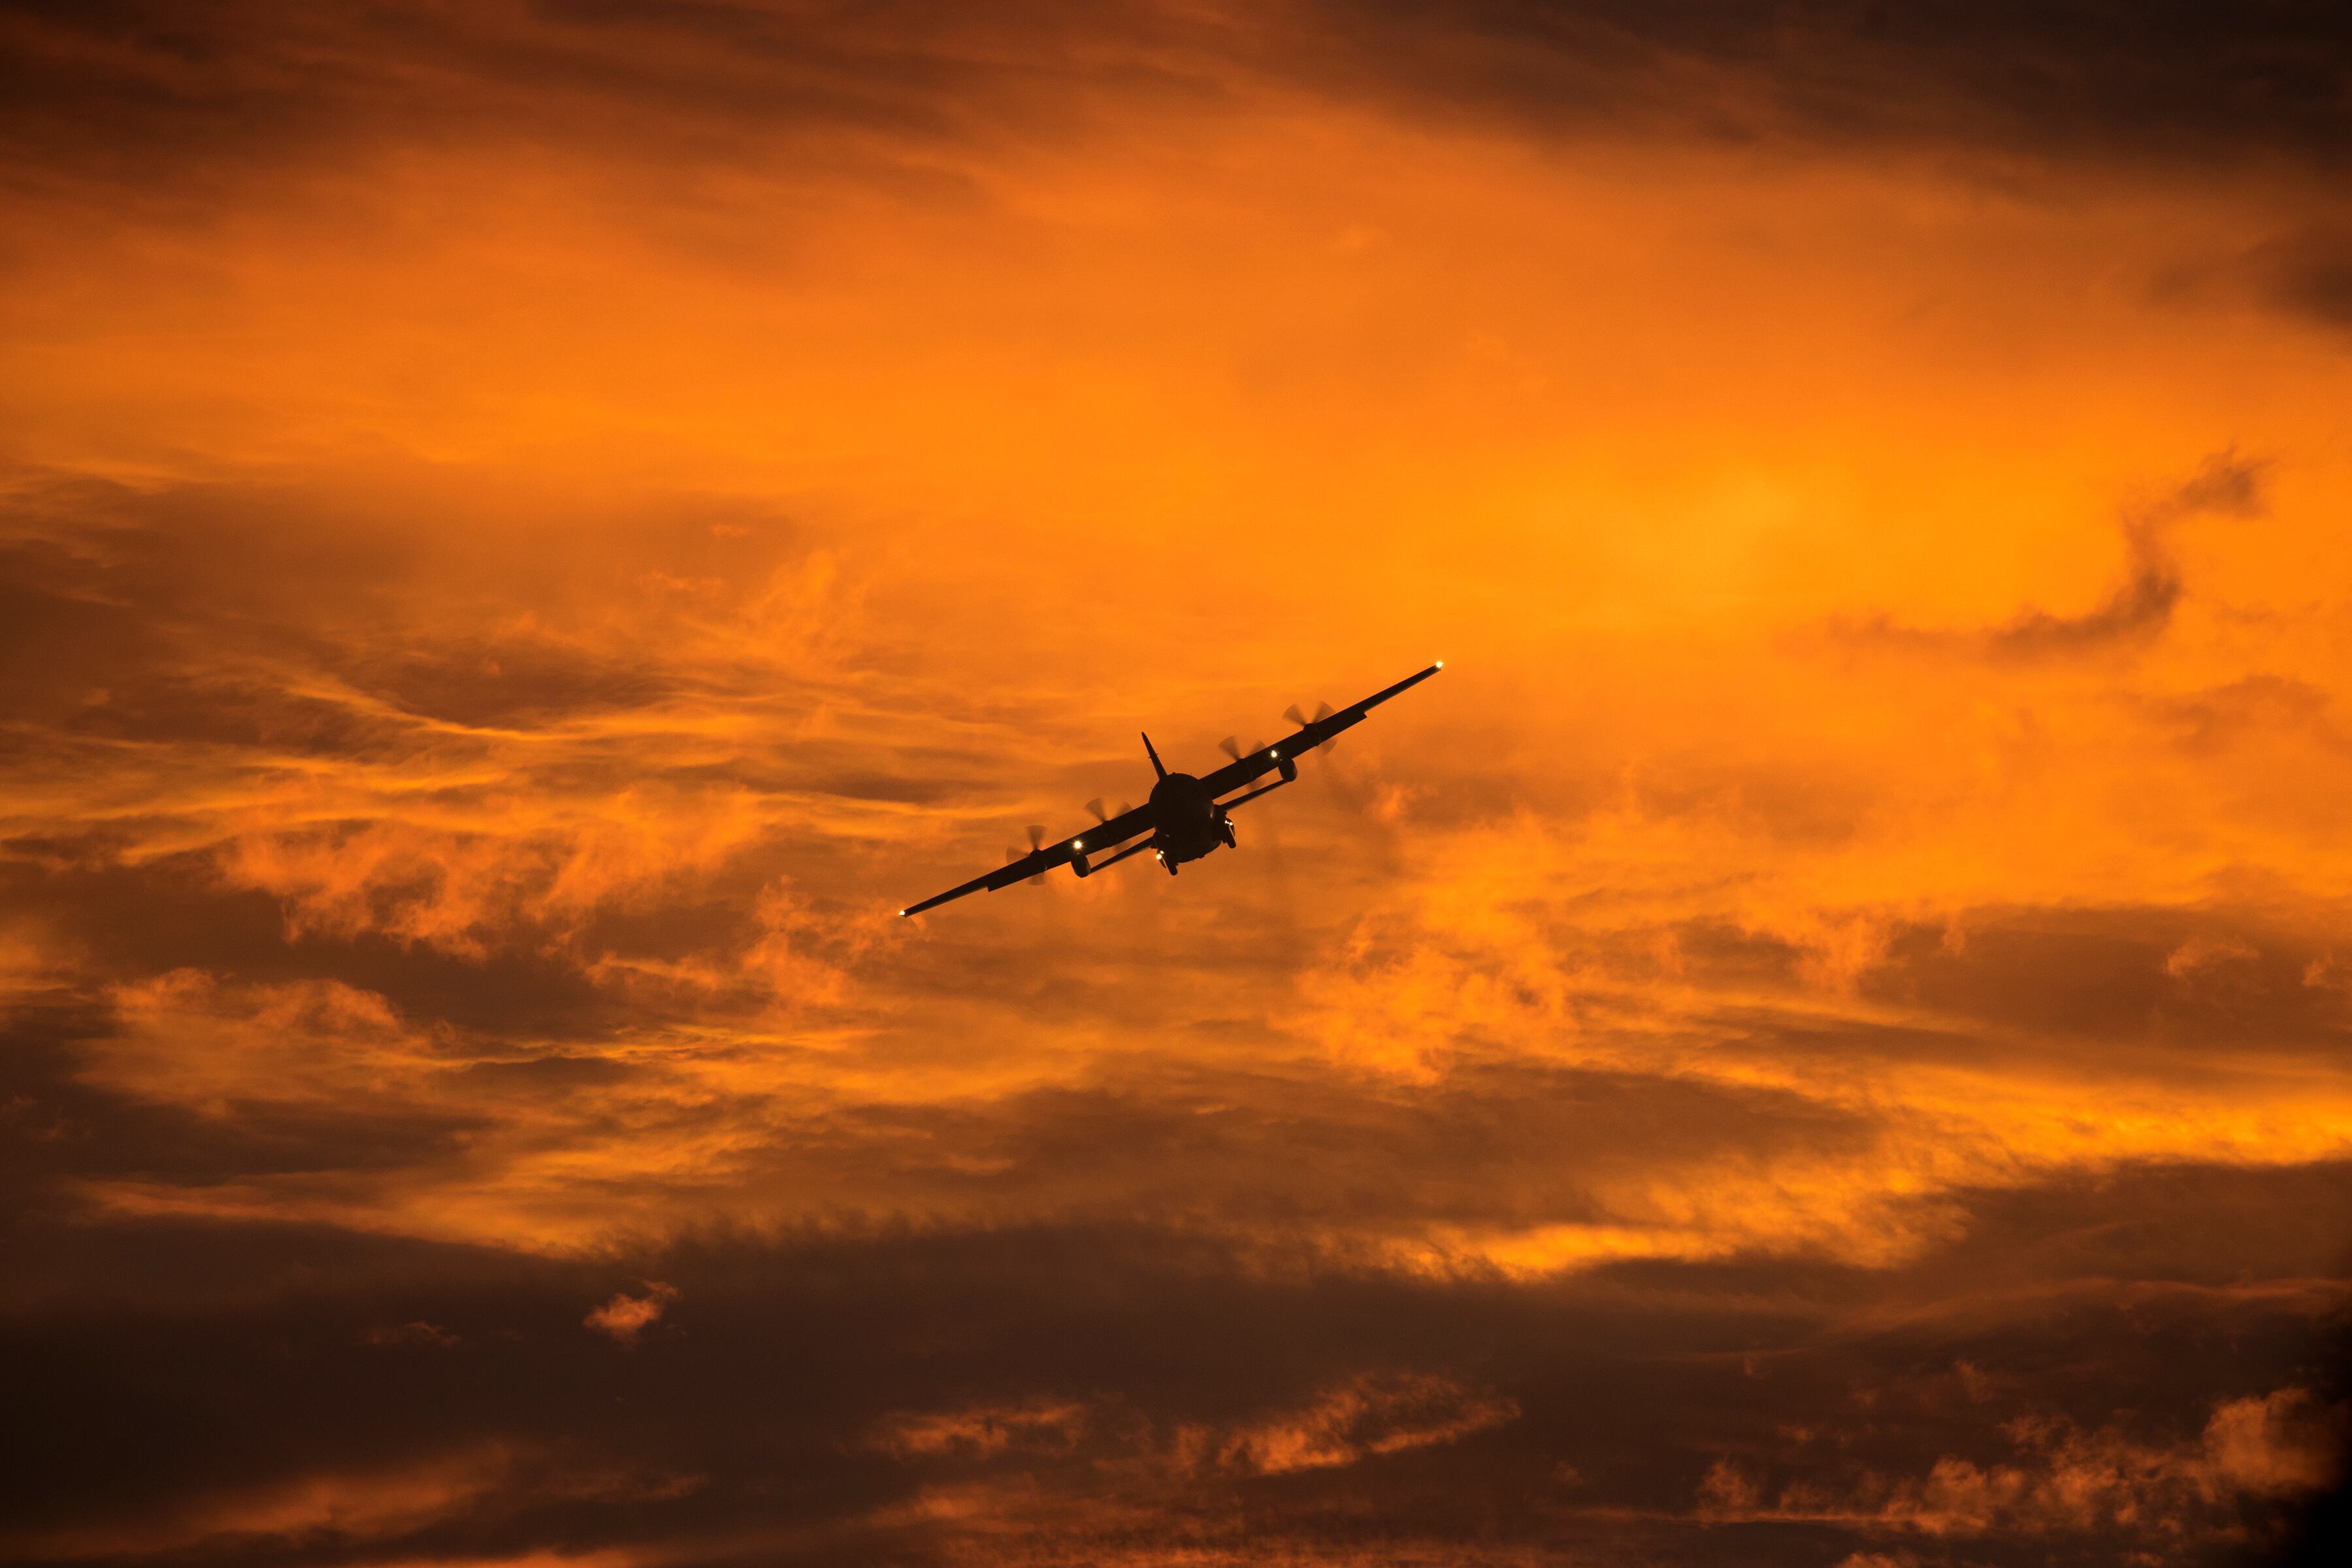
x=1184 y=817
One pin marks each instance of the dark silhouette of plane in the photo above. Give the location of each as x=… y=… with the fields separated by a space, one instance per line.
x=1184 y=817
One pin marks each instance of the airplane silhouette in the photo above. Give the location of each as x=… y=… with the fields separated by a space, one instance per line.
x=1184 y=817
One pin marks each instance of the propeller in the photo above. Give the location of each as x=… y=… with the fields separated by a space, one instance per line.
x=1231 y=747
x=1322 y=712
x=1094 y=808
x=1036 y=841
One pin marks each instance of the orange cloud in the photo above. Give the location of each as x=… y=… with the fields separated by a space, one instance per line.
x=2067 y=1481
x=626 y=1317
x=526 y=533
x=1375 y=1413
x=340 y=1511
x=984 y=1431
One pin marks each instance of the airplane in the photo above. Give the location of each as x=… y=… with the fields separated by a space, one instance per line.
x=1183 y=815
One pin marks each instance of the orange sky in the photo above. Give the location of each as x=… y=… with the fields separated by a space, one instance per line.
x=530 y=532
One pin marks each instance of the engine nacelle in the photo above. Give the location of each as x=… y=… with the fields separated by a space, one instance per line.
x=1079 y=864
x=1290 y=769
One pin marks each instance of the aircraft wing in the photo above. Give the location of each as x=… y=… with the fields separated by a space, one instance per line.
x=1101 y=836
x=1258 y=764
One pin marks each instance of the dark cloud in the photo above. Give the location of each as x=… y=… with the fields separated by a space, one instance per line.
x=2218 y=718
x=2089 y=76
x=1486 y=1148
x=2105 y=79
x=802 y=1398
x=174 y=913
x=2308 y=275
x=66 y=1131
x=2134 y=612
x=266 y=614
x=181 y=106
x=130 y=93
x=2157 y=979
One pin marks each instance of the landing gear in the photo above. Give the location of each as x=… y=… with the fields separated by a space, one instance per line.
x=1225 y=832
x=1166 y=864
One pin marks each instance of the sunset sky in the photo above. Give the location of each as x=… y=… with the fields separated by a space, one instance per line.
x=528 y=531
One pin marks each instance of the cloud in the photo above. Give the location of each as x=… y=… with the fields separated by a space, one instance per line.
x=2307 y=274
x=626 y=1317
x=526 y=531
x=2134 y=612
x=2202 y=952
x=341 y=1513
x=2085 y=78
x=367 y=802
x=1386 y=1413
x=2067 y=1481
x=983 y=1432
x=1358 y=1407
x=1861 y=1061
x=137 y=94
x=133 y=93
x=1357 y=1418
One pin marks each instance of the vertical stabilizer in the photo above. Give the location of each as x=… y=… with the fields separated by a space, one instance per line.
x=1154 y=756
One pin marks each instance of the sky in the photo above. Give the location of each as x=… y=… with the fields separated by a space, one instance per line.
x=528 y=531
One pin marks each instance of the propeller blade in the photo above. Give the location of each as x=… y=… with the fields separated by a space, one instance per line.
x=1124 y=808
x=1036 y=836
x=1231 y=747
x=1295 y=716
x=1095 y=808
x=1322 y=712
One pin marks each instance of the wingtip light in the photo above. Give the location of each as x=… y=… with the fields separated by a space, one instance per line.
x=1439 y=665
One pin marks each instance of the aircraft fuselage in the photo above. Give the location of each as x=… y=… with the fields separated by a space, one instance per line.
x=1187 y=821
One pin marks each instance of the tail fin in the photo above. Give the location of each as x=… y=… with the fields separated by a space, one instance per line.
x=1154 y=756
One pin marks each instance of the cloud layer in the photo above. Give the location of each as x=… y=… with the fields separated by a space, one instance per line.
x=527 y=533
